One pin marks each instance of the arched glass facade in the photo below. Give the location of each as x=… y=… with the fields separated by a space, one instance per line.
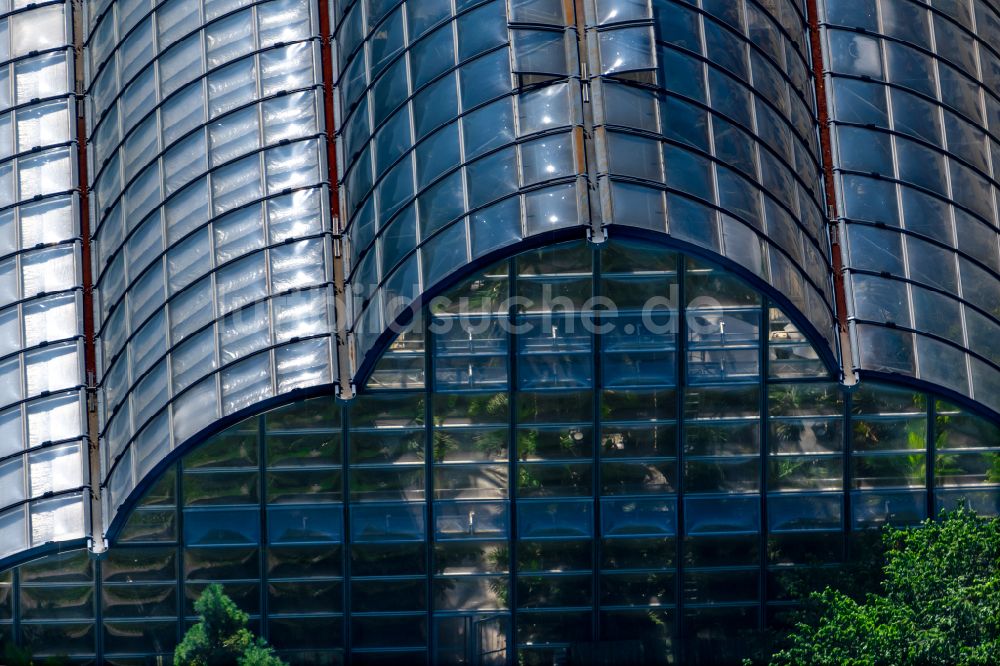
x=468 y=127
x=44 y=475
x=915 y=95
x=527 y=479
x=720 y=149
x=432 y=128
x=211 y=233
x=574 y=267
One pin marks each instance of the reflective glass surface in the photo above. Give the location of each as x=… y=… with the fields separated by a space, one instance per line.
x=211 y=225
x=459 y=138
x=527 y=481
x=41 y=284
x=444 y=157
x=915 y=96
x=723 y=153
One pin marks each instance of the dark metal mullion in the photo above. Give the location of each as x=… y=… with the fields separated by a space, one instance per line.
x=512 y=461
x=345 y=442
x=98 y=614
x=931 y=463
x=764 y=338
x=429 y=482
x=681 y=347
x=15 y=590
x=262 y=503
x=179 y=564
x=596 y=360
x=845 y=442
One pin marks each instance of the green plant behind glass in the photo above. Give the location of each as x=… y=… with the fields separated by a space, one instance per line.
x=221 y=636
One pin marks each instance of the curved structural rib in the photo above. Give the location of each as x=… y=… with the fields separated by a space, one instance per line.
x=211 y=236
x=915 y=99
x=468 y=129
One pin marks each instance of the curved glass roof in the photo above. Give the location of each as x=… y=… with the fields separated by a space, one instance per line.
x=44 y=469
x=488 y=125
x=915 y=100
x=211 y=225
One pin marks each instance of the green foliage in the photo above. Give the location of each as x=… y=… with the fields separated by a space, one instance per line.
x=940 y=603
x=16 y=656
x=13 y=655
x=222 y=637
x=260 y=654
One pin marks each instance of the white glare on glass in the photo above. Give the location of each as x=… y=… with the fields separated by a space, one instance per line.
x=195 y=409
x=10 y=332
x=302 y=364
x=52 y=369
x=55 y=469
x=49 y=319
x=44 y=76
x=54 y=419
x=48 y=221
x=42 y=125
x=37 y=30
x=49 y=270
x=246 y=383
x=627 y=49
x=45 y=174
x=56 y=519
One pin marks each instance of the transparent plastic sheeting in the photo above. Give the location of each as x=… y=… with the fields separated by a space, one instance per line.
x=42 y=453
x=211 y=240
x=460 y=133
x=916 y=102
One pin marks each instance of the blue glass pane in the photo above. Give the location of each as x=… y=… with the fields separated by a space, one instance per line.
x=621 y=518
x=715 y=515
x=305 y=524
x=796 y=513
x=541 y=520
x=470 y=520
x=876 y=509
x=399 y=522
x=221 y=526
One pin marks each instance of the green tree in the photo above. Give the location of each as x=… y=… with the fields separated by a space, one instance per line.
x=12 y=655
x=940 y=603
x=222 y=636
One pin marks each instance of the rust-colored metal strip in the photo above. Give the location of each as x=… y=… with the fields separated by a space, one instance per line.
x=342 y=352
x=832 y=211
x=89 y=335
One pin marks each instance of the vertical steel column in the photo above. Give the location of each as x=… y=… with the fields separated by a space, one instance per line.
x=845 y=442
x=930 y=464
x=345 y=547
x=583 y=13
x=679 y=419
x=596 y=549
x=512 y=458
x=15 y=591
x=344 y=366
x=764 y=338
x=96 y=520
x=429 y=434
x=263 y=541
x=98 y=612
